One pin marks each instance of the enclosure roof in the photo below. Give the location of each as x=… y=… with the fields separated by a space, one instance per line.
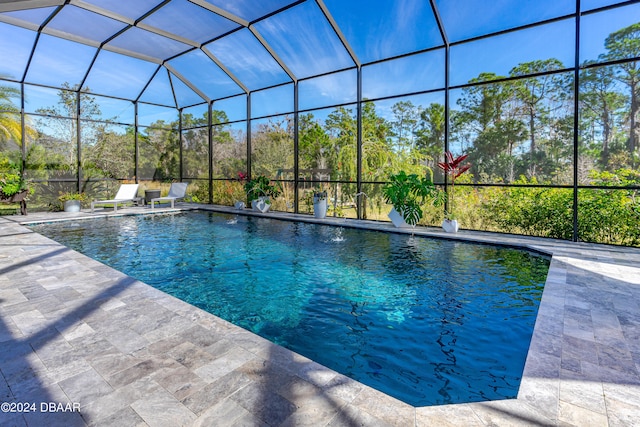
x=184 y=52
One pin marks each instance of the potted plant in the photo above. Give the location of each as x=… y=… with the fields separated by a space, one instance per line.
x=14 y=189
x=320 y=203
x=453 y=168
x=72 y=201
x=260 y=191
x=407 y=193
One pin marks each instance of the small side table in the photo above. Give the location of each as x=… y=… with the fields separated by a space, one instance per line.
x=151 y=194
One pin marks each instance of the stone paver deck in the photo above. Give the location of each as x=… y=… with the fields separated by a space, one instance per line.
x=75 y=332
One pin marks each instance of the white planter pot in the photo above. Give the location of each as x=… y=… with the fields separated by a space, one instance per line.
x=261 y=205
x=320 y=207
x=239 y=205
x=397 y=219
x=72 y=206
x=450 y=225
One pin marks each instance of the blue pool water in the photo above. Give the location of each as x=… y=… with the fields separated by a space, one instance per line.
x=426 y=321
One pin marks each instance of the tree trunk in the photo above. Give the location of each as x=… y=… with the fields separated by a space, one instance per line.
x=532 y=131
x=606 y=136
x=632 y=144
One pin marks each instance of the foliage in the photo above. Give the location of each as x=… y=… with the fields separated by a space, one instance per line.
x=608 y=216
x=200 y=192
x=10 y=122
x=407 y=192
x=623 y=177
x=109 y=153
x=625 y=43
x=65 y=197
x=83 y=198
x=532 y=211
x=272 y=146
x=453 y=167
x=62 y=132
x=159 y=158
x=319 y=195
x=261 y=187
x=10 y=125
x=430 y=132
x=604 y=216
x=12 y=183
x=314 y=146
x=225 y=192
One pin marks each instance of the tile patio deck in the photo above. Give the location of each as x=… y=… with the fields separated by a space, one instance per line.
x=73 y=331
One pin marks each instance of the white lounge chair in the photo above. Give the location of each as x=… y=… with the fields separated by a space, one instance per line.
x=178 y=190
x=126 y=193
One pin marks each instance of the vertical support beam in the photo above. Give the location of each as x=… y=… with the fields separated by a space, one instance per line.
x=359 y=144
x=249 y=175
x=136 y=142
x=447 y=67
x=78 y=143
x=210 y=141
x=576 y=129
x=446 y=118
x=181 y=165
x=296 y=165
x=23 y=134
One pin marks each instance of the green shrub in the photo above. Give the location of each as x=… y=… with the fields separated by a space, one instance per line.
x=545 y=212
x=11 y=183
x=608 y=216
x=228 y=192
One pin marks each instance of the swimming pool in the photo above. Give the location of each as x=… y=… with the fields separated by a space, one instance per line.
x=426 y=321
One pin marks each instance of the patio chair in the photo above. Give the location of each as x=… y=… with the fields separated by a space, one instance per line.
x=178 y=190
x=126 y=193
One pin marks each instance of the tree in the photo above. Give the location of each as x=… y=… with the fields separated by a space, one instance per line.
x=59 y=121
x=493 y=150
x=489 y=118
x=430 y=132
x=229 y=149
x=272 y=147
x=534 y=94
x=601 y=106
x=10 y=124
x=483 y=105
x=377 y=158
x=159 y=148
x=625 y=43
x=404 y=125
x=314 y=145
x=195 y=146
x=341 y=126
x=108 y=154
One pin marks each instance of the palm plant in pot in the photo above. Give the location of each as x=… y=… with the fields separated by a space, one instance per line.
x=452 y=167
x=260 y=191
x=407 y=193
